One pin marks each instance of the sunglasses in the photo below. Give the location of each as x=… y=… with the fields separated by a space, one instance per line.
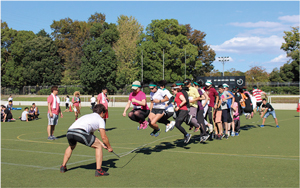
x=151 y=88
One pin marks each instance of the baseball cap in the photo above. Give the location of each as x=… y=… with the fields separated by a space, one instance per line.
x=135 y=85
x=208 y=83
x=225 y=85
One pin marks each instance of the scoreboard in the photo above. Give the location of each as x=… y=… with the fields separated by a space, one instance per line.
x=232 y=81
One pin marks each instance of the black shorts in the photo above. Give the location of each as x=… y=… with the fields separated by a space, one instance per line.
x=224 y=116
x=229 y=118
x=157 y=111
x=81 y=136
x=258 y=103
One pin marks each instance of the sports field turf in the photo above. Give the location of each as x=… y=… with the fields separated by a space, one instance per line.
x=259 y=157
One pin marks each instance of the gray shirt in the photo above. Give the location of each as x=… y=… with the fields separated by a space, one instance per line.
x=225 y=94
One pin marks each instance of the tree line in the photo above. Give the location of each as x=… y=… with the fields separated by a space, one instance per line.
x=95 y=53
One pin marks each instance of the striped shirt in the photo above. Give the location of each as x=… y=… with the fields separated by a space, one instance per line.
x=257 y=94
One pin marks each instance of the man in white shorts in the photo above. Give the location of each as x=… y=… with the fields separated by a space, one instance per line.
x=53 y=111
x=82 y=131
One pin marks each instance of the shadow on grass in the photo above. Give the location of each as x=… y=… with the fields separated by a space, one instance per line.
x=248 y=127
x=105 y=165
x=61 y=136
x=110 y=129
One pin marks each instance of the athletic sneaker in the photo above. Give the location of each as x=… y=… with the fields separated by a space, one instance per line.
x=226 y=136
x=153 y=132
x=205 y=137
x=145 y=124
x=172 y=124
x=187 y=138
x=53 y=137
x=201 y=138
x=50 y=138
x=157 y=133
x=140 y=127
x=222 y=135
x=101 y=173
x=63 y=169
x=262 y=126
x=232 y=133
x=277 y=126
x=236 y=134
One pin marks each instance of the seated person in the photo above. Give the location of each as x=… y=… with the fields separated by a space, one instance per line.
x=9 y=105
x=25 y=115
x=31 y=114
x=2 y=113
x=7 y=116
x=36 y=111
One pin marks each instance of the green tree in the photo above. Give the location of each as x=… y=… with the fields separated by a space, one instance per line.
x=170 y=37
x=41 y=62
x=275 y=75
x=99 y=62
x=233 y=72
x=42 y=33
x=257 y=74
x=290 y=70
x=126 y=49
x=205 y=54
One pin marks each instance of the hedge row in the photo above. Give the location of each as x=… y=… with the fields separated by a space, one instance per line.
x=294 y=90
x=62 y=91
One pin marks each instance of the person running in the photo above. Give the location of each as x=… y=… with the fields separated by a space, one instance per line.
x=157 y=107
x=200 y=111
x=67 y=102
x=268 y=110
x=140 y=109
x=82 y=131
x=169 y=110
x=76 y=104
x=213 y=96
x=257 y=94
x=102 y=99
x=93 y=102
x=53 y=112
x=181 y=111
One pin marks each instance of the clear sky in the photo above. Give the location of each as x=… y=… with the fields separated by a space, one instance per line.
x=249 y=32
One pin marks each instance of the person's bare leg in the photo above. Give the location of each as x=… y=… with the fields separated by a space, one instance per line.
x=49 y=130
x=276 y=121
x=98 y=153
x=68 y=154
x=52 y=129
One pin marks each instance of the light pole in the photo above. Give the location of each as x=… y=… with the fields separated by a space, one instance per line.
x=223 y=59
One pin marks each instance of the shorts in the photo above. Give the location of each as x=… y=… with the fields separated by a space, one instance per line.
x=52 y=120
x=218 y=116
x=258 y=104
x=224 y=115
x=229 y=118
x=157 y=111
x=270 y=113
x=81 y=136
x=106 y=115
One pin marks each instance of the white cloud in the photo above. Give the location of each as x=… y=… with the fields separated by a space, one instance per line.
x=294 y=18
x=280 y=59
x=257 y=24
x=248 y=45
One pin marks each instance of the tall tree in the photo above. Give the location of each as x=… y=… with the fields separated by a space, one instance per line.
x=99 y=62
x=275 y=76
x=169 y=37
x=41 y=62
x=126 y=49
x=205 y=54
x=290 y=70
x=42 y=33
x=257 y=74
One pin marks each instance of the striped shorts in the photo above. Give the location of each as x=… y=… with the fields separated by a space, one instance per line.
x=81 y=136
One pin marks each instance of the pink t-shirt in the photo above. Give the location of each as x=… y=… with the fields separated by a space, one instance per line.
x=236 y=113
x=50 y=100
x=76 y=101
x=102 y=98
x=139 y=96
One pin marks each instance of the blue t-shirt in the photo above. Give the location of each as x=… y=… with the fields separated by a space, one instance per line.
x=229 y=101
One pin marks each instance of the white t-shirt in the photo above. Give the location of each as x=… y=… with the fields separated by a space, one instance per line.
x=169 y=95
x=93 y=100
x=90 y=123
x=10 y=99
x=67 y=100
x=203 y=101
x=23 y=118
x=159 y=94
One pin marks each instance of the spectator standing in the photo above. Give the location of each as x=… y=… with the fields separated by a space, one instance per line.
x=67 y=102
x=102 y=99
x=93 y=101
x=53 y=112
x=76 y=104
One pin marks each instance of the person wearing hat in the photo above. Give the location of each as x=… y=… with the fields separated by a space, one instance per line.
x=213 y=96
x=76 y=104
x=140 y=109
x=230 y=101
x=102 y=99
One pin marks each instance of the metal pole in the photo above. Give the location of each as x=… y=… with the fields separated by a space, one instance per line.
x=223 y=67
x=185 y=63
x=163 y=64
x=142 y=65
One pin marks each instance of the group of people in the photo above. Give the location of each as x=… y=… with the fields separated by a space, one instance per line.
x=30 y=114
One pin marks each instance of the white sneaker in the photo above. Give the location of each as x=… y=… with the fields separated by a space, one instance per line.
x=232 y=134
x=210 y=128
x=168 y=127
x=172 y=124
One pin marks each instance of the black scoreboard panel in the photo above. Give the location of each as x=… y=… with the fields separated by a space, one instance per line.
x=232 y=81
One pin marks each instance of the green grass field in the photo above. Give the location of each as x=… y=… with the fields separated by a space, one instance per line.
x=259 y=157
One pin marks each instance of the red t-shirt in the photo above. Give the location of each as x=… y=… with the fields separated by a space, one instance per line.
x=212 y=93
x=178 y=101
x=102 y=98
x=50 y=100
